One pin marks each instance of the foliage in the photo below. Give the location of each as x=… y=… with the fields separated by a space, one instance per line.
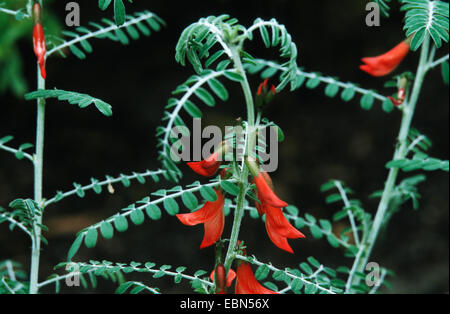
x=215 y=47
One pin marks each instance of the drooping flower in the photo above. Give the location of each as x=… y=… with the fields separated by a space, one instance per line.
x=386 y=63
x=266 y=194
x=278 y=227
x=246 y=282
x=211 y=215
x=209 y=166
x=39 y=45
x=218 y=276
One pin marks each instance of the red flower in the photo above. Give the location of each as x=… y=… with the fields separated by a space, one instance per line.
x=263 y=96
x=220 y=280
x=207 y=167
x=266 y=194
x=211 y=215
x=39 y=45
x=278 y=227
x=246 y=282
x=384 y=64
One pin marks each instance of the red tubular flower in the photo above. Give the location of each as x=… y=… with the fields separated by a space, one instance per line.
x=39 y=45
x=220 y=280
x=266 y=194
x=210 y=165
x=246 y=282
x=207 y=167
x=386 y=63
x=212 y=217
x=278 y=227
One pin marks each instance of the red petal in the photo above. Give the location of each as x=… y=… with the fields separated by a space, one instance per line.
x=230 y=277
x=386 y=63
x=213 y=229
x=265 y=193
x=280 y=225
x=207 y=167
x=246 y=282
x=277 y=239
x=207 y=212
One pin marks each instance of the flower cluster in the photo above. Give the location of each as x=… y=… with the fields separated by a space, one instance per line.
x=211 y=215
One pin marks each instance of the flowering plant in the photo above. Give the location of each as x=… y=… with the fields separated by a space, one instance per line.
x=239 y=183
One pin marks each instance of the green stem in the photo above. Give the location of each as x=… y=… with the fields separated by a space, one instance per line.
x=400 y=153
x=38 y=166
x=243 y=184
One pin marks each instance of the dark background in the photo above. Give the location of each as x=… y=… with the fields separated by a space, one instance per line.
x=325 y=139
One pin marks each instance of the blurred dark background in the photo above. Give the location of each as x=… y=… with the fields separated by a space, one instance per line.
x=325 y=139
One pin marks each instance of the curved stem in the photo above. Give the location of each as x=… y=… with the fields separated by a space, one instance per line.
x=400 y=152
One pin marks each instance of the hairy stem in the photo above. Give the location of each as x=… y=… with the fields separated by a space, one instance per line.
x=38 y=178
x=400 y=152
x=239 y=211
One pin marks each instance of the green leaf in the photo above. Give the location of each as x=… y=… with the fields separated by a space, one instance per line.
x=82 y=100
x=107 y=230
x=306 y=268
x=91 y=238
x=230 y=187
x=388 y=106
x=77 y=52
x=119 y=12
x=189 y=200
x=137 y=217
x=205 y=96
x=445 y=72
x=104 y=4
x=333 y=240
x=218 y=89
x=262 y=272
x=233 y=76
x=326 y=225
x=208 y=193
x=153 y=212
x=121 y=223
x=331 y=90
x=316 y=232
x=348 y=94
x=296 y=285
x=313 y=82
x=75 y=247
x=193 y=110
x=367 y=101
x=171 y=206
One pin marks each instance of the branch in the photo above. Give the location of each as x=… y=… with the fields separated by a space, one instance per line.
x=327 y=80
x=438 y=62
x=14 y=222
x=349 y=212
x=96 y=185
x=100 y=32
x=15 y=13
x=19 y=153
